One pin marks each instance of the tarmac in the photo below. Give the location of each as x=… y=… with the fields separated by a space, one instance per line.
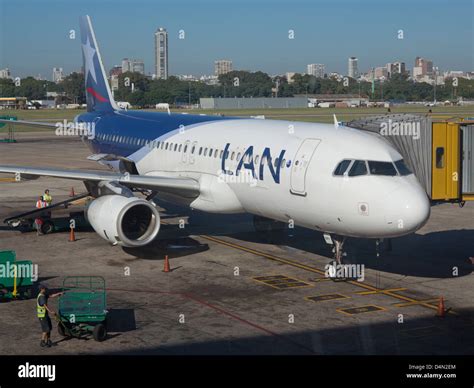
x=233 y=291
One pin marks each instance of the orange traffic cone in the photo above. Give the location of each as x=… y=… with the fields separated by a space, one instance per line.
x=72 y=194
x=72 y=235
x=441 y=310
x=167 y=265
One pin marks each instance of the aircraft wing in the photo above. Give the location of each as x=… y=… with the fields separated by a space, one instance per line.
x=182 y=186
x=43 y=124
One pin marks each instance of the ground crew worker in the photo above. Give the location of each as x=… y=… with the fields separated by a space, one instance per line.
x=47 y=198
x=40 y=204
x=43 y=311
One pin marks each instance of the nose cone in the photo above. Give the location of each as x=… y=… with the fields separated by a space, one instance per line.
x=410 y=209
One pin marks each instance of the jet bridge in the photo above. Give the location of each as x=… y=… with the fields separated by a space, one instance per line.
x=439 y=152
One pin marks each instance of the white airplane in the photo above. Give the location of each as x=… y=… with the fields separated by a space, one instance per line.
x=329 y=178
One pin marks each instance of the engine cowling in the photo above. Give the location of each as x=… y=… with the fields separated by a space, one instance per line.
x=127 y=221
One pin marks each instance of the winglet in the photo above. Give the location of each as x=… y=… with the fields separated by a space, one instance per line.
x=98 y=95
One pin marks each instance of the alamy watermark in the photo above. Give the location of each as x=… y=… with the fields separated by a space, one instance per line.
x=400 y=128
x=70 y=128
x=244 y=176
x=345 y=271
x=22 y=270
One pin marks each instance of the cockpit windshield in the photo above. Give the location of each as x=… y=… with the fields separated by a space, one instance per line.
x=359 y=167
x=352 y=168
x=382 y=168
x=402 y=168
x=342 y=167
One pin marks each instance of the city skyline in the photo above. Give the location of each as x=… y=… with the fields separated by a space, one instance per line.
x=270 y=49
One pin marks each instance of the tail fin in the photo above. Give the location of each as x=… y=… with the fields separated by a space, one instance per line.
x=98 y=95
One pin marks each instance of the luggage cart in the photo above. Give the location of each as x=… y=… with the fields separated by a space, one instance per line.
x=16 y=277
x=82 y=308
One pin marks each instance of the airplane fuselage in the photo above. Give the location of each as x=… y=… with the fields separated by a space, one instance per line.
x=276 y=169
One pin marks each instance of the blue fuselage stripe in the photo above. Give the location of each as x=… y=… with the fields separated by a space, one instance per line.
x=147 y=126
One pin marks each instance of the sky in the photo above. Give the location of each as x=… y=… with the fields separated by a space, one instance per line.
x=34 y=34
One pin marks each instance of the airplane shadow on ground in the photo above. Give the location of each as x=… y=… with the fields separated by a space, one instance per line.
x=425 y=335
x=432 y=255
x=171 y=241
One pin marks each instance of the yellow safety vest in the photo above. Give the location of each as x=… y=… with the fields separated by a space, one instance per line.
x=40 y=310
x=48 y=199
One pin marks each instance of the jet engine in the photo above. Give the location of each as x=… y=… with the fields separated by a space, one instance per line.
x=122 y=220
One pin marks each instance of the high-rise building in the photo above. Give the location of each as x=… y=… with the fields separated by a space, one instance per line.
x=396 y=68
x=353 y=70
x=58 y=74
x=161 y=53
x=422 y=67
x=222 y=66
x=316 y=69
x=5 y=73
x=133 y=65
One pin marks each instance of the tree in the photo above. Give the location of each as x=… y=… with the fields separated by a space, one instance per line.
x=73 y=86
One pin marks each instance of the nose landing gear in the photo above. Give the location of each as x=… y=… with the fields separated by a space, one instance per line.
x=338 y=249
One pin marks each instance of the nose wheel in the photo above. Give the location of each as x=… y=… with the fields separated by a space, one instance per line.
x=339 y=248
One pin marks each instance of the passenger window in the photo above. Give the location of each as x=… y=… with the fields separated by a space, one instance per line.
x=176 y=146
x=216 y=152
x=342 y=167
x=440 y=157
x=221 y=153
x=200 y=150
x=210 y=151
x=185 y=148
x=232 y=156
x=382 y=168
x=179 y=149
x=192 y=151
x=238 y=157
x=358 y=168
x=205 y=151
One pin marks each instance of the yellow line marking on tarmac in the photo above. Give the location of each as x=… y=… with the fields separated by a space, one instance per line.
x=8 y=180
x=321 y=272
x=361 y=309
x=380 y=291
x=281 y=282
x=417 y=302
x=327 y=297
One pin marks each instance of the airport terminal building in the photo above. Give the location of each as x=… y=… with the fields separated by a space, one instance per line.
x=253 y=103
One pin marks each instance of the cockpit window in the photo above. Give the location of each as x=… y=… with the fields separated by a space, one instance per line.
x=402 y=168
x=358 y=168
x=342 y=167
x=382 y=168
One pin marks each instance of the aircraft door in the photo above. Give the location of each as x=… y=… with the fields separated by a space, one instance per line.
x=300 y=165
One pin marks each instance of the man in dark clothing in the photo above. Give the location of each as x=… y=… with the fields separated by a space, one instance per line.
x=43 y=311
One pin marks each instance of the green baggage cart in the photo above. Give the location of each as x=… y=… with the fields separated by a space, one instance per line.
x=16 y=277
x=83 y=307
